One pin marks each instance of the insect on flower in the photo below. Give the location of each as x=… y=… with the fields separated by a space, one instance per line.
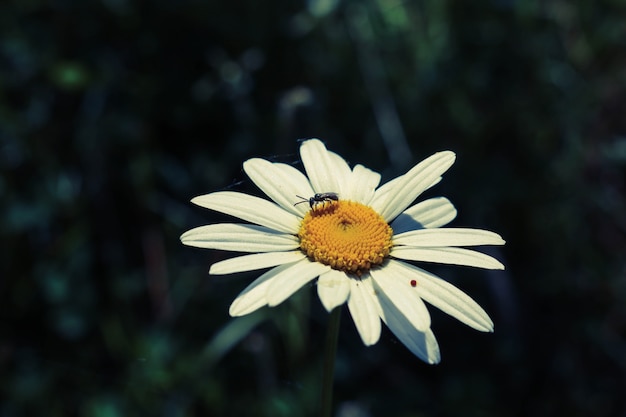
x=318 y=198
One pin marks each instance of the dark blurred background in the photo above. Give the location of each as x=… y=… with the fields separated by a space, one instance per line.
x=114 y=113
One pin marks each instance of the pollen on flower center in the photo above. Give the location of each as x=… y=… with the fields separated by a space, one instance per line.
x=345 y=235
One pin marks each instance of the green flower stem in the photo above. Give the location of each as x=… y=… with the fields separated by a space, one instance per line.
x=330 y=351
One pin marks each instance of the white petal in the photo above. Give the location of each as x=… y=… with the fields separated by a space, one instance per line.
x=292 y=279
x=363 y=183
x=364 y=308
x=390 y=185
x=280 y=182
x=422 y=344
x=428 y=214
x=394 y=291
x=449 y=299
x=325 y=171
x=250 y=208
x=392 y=202
x=253 y=296
x=240 y=238
x=387 y=187
x=448 y=237
x=447 y=255
x=254 y=261
x=333 y=288
x=343 y=173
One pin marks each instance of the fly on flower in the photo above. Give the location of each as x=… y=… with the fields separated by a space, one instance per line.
x=318 y=198
x=362 y=252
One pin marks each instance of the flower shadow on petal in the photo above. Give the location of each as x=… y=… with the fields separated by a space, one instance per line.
x=408 y=223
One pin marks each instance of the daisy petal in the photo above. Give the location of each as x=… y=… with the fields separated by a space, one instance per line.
x=253 y=296
x=449 y=299
x=343 y=173
x=394 y=291
x=325 y=171
x=410 y=185
x=254 y=262
x=422 y=344
x=428 y=214
x=363 y=183
x=390 y=185
x=364 y=308
x=280 y=182
x=253 y=209
x=448 y=237
x=240 y=238
x=292 y=279
x=333 y=288
x=447 y=255
x=387 y=187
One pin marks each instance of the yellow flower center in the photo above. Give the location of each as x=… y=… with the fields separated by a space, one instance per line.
x=345 y=235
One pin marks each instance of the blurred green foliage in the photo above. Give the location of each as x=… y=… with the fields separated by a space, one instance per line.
x=114 y=113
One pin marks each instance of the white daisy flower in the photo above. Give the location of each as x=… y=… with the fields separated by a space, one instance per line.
x=355 y=238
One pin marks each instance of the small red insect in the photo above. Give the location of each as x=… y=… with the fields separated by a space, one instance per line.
x=413 y=283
